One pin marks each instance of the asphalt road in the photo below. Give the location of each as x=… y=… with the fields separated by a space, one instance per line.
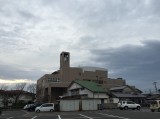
x=101 y=114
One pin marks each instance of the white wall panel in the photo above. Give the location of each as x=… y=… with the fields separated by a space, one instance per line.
x=90 y=104
x=69 y=105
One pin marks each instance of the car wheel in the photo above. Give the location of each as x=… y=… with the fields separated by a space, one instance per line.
x=138 y=108
x=126 y=108
x=152 y=110
x=51 y=110
x=158 y=109
x=38 y=111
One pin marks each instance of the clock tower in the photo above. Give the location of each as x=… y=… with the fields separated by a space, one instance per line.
x=64 y=60
x=65 y=65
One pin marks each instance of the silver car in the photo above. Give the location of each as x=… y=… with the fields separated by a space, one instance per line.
x=128 y=105
x=45 y=107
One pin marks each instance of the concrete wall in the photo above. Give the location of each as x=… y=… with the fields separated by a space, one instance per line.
x=79 y=105
x=69 y=105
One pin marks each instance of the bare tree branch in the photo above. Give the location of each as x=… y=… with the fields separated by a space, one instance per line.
x=31 y=88
x=20 y=87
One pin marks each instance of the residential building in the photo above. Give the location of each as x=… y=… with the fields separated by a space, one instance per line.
x=87 y=89
x=127 y=93
x=51 y=86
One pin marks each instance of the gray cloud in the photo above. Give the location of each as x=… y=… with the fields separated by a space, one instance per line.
x=105 y=33
x=137 y=64
x=12 y=72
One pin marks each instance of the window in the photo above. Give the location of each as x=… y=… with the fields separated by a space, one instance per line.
x=47 y=105
x=53 y=79
x=100 y=82
x=129 y=102
x=82 y=88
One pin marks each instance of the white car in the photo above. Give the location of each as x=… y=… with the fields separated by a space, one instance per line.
x=128 y=105
x=45 y=107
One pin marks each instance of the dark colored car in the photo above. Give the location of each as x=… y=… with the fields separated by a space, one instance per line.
x=33 y=107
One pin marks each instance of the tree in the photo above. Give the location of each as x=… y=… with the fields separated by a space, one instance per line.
x=20 y=90
x=32 y=89
x=20 y=86
x=4 y=95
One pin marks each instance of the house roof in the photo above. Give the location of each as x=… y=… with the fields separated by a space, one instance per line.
x=122 y=87
x=126 y=95
x=152 y=96
x=117 y=88
x=91 y=86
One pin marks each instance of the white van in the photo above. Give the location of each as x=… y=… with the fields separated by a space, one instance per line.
x=155 y=105
x=45 y=107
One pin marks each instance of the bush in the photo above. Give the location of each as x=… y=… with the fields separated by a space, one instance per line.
x=18 y=105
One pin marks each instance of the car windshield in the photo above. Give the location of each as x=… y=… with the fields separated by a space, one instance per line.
x=153 y=102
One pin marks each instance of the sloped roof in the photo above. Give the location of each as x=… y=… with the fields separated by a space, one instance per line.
x=91 y=86
x=117 y=88
x=122 y=87
x=126 y=95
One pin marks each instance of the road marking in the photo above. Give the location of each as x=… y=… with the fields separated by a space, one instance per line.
x=34 y=117
x=59 y=117
x=113 y=116
x=10 y=118
x=85 y=116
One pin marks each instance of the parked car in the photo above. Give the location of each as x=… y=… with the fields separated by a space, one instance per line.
x=45 y=107
x=33 y=107
x=128 y=105
x=155 y=105
x=27 y=106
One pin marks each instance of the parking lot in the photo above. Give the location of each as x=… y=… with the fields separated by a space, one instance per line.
x=100 y=114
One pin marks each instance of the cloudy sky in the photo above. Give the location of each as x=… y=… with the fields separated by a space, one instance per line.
x=120 y=35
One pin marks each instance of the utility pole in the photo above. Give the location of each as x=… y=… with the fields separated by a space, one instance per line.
x=150 y=92
x=155 y=85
